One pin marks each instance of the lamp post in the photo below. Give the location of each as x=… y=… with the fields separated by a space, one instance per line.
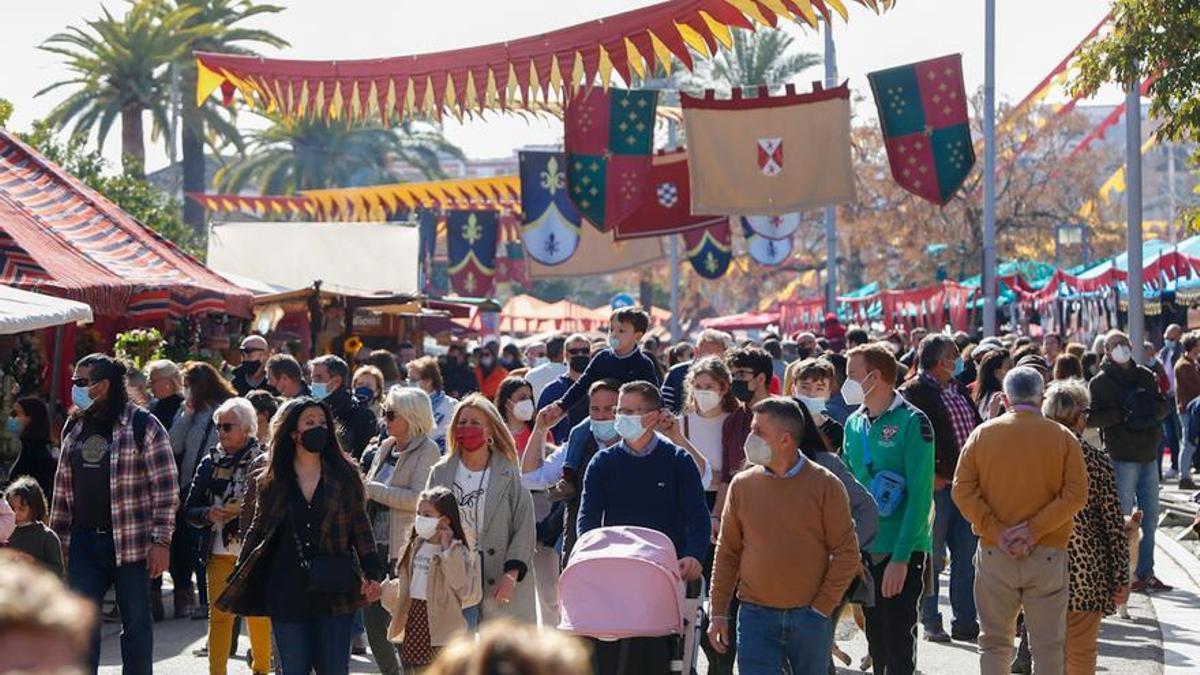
x=989 y=169
x=1133 y=217
x=831 y=243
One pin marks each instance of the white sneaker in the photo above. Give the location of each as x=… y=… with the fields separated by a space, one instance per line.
x=1170 y=474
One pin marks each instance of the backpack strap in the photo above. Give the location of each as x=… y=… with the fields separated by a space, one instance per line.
x=141 y=419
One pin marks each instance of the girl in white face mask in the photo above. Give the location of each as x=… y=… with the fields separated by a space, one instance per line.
x=436 y=575
x=707 y=407
x=514 y=400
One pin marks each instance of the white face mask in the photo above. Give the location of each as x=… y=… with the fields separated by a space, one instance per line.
x=852 y=392
x=1121 y=354
x=426 y=526
x=758 y=451
x=523 y=410
x=630 y=427
x=706 y=400
x=815 y=405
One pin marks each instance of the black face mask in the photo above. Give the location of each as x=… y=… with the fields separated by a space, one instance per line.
x=580 y=363
x=250 y=366
x=803 y=353
x=315 y=439
x=741 y=391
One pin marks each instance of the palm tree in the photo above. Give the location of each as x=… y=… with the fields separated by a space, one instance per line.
x=213 y=123
x=756 y=58
x=120 y=69
x=306 y=154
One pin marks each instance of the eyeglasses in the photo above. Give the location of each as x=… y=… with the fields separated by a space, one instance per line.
x=226 y=427
x=81 y=382
x=581 y=351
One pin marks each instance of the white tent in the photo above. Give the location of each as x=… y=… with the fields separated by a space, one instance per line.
x=357 y=258
x=22 y=311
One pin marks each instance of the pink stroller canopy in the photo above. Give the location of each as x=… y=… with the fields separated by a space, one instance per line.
x=622 y=582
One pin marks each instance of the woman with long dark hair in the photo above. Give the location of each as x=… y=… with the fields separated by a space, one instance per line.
x=30 y=420
x=309 y=559
x=989 y=384
x=514 y=400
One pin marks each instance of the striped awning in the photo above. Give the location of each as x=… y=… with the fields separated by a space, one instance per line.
x=59 y=236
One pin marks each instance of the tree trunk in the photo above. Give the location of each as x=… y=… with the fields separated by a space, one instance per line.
x=133 y=146
x=194 y=180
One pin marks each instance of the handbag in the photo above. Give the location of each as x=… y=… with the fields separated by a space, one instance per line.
x=327 y=574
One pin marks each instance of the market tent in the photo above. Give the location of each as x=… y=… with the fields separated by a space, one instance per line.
x=744 y=321
x=658 y=315
x=349 y=258
x=22 y=311
x=60 y=237
x=527 y=314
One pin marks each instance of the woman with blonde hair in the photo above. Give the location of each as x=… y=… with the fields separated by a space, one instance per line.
x=480 y=468
x=397 y=470
x=368 y=387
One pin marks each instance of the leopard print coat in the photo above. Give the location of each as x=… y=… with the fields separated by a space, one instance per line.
x=1099 y=550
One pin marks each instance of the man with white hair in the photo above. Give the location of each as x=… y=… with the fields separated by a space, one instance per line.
x=710 y=342
x=1020 y=481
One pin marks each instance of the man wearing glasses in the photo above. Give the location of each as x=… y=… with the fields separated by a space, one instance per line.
x=252 y=373
x=578 y=353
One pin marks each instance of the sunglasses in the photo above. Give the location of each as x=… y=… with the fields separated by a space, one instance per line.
x=82 y=382
x=249 y=350
x=226 y=427
x=581 y=351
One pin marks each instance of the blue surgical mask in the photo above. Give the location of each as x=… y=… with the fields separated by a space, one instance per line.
x=629 y=427
x=364 y=393
x=1170 y=344
x=603 y=430
x=959 y=366
x=319 y=390
x=614 y=343
x=80 y=397
x=12 y=425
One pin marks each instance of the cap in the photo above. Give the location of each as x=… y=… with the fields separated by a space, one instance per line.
x=254 y=342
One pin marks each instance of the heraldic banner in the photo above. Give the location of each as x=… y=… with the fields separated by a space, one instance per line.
x=710 y=250
x=769 y=155
x=471 y=239
x=666 y=206
x=599 y=253
x=923 y=111
x=609 y=139
x=550 y=231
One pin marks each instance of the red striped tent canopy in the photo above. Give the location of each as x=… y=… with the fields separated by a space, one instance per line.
x=59 y=236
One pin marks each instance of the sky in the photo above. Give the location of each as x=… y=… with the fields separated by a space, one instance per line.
x=1032 y=37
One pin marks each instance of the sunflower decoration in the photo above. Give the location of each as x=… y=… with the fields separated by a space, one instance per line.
x=351 y=346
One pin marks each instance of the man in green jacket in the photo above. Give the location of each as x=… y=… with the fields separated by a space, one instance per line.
x=1128 y=408
x=888 y=440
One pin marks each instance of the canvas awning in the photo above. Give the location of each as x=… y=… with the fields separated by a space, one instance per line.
x=60 y=237
x=743 y=321
x=22 y=311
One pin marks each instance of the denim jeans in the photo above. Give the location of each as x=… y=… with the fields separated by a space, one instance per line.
x=320 y=643
x=951 y=530
x=471 y=615
x=768 y=639
x=1187 y=454
x=1171 y=438
x=1139 y=481
x=92 y=569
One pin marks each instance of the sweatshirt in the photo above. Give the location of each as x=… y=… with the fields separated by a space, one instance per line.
x=900 y=440
x=40 y=542
x=607 y=365
x=1021 y=467
x=791 y=562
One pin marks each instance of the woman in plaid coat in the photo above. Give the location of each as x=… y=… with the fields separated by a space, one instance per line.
x=309 y=559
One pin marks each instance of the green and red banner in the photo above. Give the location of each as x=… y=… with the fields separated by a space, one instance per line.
x=609 y=139
x=710 y=250
x=923 y=112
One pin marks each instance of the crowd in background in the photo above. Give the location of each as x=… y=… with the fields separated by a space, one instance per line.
x=394 y=501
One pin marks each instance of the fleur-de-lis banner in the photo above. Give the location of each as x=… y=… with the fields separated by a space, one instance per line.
x=774 y=227
x=609 y=139
x=766 y=251
x=550 y=231
x=923 y=112
x=471 y=241
x=710 y=250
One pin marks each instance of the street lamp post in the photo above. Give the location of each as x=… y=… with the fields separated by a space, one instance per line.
x=831 y=243
x=1133 y=216
x=989 y=169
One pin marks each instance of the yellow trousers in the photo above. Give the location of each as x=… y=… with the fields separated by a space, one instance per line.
x=220 y=623
x=1082 y=630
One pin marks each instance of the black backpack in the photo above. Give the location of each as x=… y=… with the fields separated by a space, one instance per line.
x=1141 y=409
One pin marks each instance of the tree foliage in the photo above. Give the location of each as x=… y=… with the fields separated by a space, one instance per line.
x=6 y=111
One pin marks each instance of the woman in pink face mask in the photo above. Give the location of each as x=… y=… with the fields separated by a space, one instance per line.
x=480 y=468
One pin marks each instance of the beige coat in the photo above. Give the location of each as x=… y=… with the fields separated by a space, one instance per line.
x=448 y=582
x=506 y=538
x=400 y=493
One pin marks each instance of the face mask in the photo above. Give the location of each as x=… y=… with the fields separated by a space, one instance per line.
x=614 y=342
x=470 y=439
x=365 y=393
x=250 y=366
x=580 y=363
x=13 y=425
x=815 y=405
x=487 y=361
x=959 y=366
x=319 y=390
x=187 y=394
x=629 y=427
x=80 y=397
x=741 y=391
x=426 y=526
x=1170 y=343
x=315 y=439
x=852 y=392
x=540 y=361
x=604 y=430
x=706 y=400
x=523 y=410
x=758 y=451
x=1121 y=354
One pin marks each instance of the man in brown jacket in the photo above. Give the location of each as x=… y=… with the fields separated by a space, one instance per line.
x=1020 y=481
x=1187 y=388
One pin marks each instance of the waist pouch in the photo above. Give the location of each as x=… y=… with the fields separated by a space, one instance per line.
x=888 y=489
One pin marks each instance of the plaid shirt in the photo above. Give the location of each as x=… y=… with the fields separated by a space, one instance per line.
x=144 y=485
x=960 y=411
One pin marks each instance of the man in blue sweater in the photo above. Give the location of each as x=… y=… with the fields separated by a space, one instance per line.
x=623 y=361
x=646 y=480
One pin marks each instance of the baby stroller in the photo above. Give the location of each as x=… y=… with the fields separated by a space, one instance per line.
x=622 y=590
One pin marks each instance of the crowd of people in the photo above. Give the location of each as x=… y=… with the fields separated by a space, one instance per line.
x=397 y=502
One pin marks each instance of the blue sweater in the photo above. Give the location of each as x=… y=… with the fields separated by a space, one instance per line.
x=606 y=364
x=660 y=490
x=575 y=415
x=672 y=389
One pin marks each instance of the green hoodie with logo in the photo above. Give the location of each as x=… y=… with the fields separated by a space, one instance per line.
x=899 y=440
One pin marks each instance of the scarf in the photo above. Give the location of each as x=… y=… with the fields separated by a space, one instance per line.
x=230 y=477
